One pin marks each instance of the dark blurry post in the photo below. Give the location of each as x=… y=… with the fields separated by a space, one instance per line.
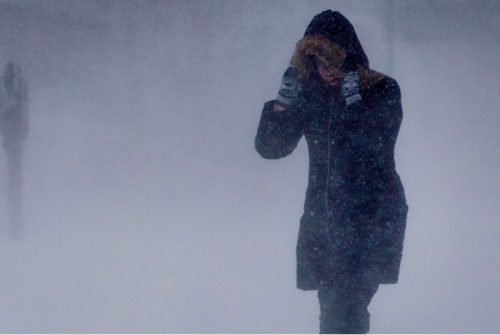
x=14 y=128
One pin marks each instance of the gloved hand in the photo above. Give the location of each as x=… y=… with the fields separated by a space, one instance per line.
x=289 y=89
x=350 y=84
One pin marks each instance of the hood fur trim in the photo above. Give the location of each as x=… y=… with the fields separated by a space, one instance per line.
x=369 y=77
x=326 y=52
x=320 y=47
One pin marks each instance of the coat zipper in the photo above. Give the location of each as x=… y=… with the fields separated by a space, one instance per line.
x=327 y=207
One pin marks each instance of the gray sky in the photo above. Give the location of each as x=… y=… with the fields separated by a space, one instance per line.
x=147 y=208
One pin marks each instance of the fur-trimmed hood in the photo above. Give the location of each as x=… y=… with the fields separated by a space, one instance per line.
x=335 y=27
x=318 y=47
x=331 y=38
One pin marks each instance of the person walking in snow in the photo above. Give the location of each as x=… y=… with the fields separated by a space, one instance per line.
x=352 y=230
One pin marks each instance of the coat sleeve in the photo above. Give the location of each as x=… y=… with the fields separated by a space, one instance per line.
x=383 y=124
x=371 y=129
x=279 y=132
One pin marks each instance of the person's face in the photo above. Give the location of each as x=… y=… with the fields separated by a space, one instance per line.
x=332 y=75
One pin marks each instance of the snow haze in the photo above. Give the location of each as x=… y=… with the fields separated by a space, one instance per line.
x=147 y=208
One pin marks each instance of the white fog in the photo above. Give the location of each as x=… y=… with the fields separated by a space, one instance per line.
x=146 y=208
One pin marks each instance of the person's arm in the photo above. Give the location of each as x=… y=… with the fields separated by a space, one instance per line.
x=282 y=122
x=288 y=92
x=387 y=119
x=372 y=132
x=278 y=108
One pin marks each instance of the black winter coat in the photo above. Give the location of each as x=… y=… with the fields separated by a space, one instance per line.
x=355 y=210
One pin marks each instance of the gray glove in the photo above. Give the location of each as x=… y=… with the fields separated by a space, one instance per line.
x=289 y=89
x=350 y=84
x=350 y=88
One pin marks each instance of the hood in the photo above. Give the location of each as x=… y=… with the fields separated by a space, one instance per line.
x=325 y=34
x=335 y=27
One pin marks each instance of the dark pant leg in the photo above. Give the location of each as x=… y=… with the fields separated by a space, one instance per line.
x=344 y=307
x=358 y=315
x=333 y=308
